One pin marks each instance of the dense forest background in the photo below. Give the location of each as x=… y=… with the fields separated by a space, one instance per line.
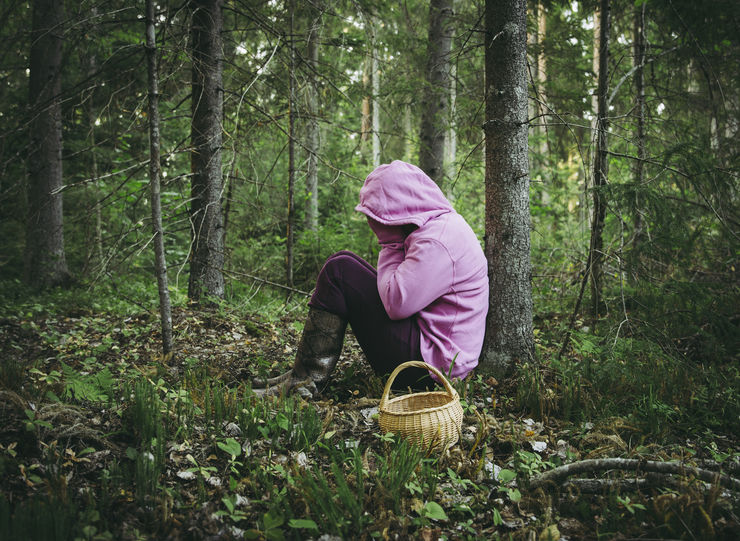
x=313 y=95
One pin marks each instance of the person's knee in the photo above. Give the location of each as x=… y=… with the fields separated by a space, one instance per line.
x=342 y=254
x=340 y=261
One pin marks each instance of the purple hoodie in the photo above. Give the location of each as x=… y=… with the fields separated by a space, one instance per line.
x=438 y=272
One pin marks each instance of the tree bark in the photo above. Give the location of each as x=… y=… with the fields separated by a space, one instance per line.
x=639 y=54
x=95 y=257
x=509 y=334
x=291 y=150
x=408 y=147
x=366 y=121
x=558 y=475
x=45 y=261
x=207 y=258
x=540 y=80
x=160 y=263
x=312 y=128
x=375 y=77
x=595 y=69
x=451 y=140
x=600 y=163
x=435 y=100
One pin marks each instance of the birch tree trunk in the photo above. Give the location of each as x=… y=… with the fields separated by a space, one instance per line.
x=375 y=76
x=435 y=99
x=312 y=128
x=541 y=80
x=509 y=334
x=595 y=68
x=451 y=140
x=600 y=163
x=370 y=107
x=160 y=264
x=207 y=258
x=366 y=122
x=45 y=261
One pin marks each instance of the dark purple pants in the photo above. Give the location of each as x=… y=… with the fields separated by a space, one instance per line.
x=348 y=287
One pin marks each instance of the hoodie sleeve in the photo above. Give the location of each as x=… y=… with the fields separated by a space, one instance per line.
x=412 y=276
x=387 y=234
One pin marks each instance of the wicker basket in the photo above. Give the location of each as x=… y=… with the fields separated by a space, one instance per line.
x=429 y=418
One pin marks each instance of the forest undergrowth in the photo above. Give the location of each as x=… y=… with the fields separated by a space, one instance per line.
x=107 y=439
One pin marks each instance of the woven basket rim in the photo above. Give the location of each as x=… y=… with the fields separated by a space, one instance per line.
x=452 y=399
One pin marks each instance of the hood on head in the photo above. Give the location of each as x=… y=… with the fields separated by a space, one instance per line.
x=399 y=193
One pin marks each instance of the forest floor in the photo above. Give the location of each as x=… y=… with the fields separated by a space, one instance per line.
x=106 y=439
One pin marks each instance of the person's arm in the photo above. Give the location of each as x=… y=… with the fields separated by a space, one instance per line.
x=387 y=234
x=411 y=278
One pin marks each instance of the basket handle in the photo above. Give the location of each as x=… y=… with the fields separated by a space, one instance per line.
x=419 y=364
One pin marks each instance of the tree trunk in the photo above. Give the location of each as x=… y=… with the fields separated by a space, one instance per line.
x=96 y=192
x=312 y=128
x=160 y=264
x=435 y=99
x=600 y=163
x=541 y=80
x=289 y=241
x=375 y=76
x=366 y=121
x=45 y=261
x=595 y=69
x=639 y=54
x=408 y=147
x=207 y=258
x=95 y=251
x=509 y=335
x=451 y=140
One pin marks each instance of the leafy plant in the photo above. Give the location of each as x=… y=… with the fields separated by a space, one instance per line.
x=232 y=511
x=430 y=511
x=506 y=478
x=34 y=423
x=629 y=505
x=93 y=387
x=528 y=463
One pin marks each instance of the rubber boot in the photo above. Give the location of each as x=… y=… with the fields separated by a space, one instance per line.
x=317 y=356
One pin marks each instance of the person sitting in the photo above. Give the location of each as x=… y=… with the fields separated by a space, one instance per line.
x=426 y=300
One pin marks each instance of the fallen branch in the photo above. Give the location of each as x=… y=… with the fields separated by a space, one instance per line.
x=652 y=481
x=601 y=486
x=560 y=474
x=268 y=282
x=730 y=467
